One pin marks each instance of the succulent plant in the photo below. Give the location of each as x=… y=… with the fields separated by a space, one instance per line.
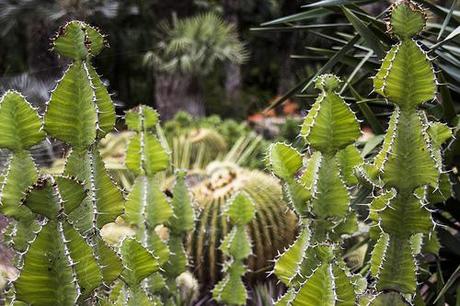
x=273 y=227
x=408 y=170
x=79 y=113
x=318 y=189
x=20 y=129
x=236 y=245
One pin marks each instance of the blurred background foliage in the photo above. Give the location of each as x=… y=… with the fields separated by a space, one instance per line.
x=231 y=76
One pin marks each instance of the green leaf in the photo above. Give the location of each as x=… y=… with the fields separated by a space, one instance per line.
x=71 y=113
x=379 y=203
x=345 y=294
x=20 y=124
x=50 y=195
x=366 y=33
x=108 y=260
x=378 y=254
x=137 y=261
x=405 y=209
x=439 y=133
x=88 y=272
x=287 y=265
x=303 y=16
x=158 y=247
x=183 y=219
x=284 y=160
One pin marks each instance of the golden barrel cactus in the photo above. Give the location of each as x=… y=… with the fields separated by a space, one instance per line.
x=272 y=229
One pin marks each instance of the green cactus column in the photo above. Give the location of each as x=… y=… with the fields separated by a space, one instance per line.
x=79 y=113
x=20 y=129
x=237 y=247
x=409 y=161
x=147 y=206
x=58 y=267
x=318 y=189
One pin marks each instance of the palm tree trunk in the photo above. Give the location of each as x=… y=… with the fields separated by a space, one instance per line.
x=233 y=81
x=178 y=92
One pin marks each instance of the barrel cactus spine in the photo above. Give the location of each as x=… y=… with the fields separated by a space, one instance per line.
x=408 y=171
x=318 y=188
x=80 y=112
x=273 y=227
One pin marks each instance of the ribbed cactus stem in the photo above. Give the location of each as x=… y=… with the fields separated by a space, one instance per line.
x=237 y=247
x=20 y=129
x=147 y=206
x=408 y=169
x=318 y=188
x=80 y=112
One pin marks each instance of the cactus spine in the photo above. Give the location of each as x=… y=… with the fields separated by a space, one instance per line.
x=79 y=113
x=59 y=267
x=273 y=227
x=408 y=168
x=20 y=129
x=237 y=246
x=147 y=206
x=312 y=267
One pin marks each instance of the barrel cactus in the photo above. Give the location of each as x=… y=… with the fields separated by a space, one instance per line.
x=273 y=227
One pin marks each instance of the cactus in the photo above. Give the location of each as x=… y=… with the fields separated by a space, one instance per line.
x=181 y=223
x=318 y=190
x=408 y=169
x=273 y=227
x=237 y=246
x=147 y=206
x=79 y=113
x=59 y=266
x=138 y=265
x=20 y=129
